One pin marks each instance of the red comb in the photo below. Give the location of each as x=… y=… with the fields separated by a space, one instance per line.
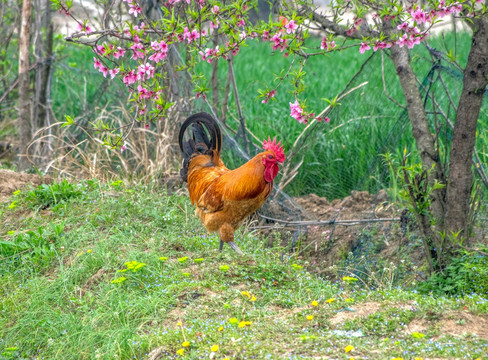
x=277 y=148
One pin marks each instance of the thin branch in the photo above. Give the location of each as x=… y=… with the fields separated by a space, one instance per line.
x=238 y=105
x=329 y=222
x=384 y=84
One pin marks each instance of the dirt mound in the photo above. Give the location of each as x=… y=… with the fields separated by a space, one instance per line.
x=11 y=181
x=361 y=310
x=333 y=242
x=459 y=323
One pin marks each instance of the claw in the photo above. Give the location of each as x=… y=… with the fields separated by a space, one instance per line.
x=234 y=246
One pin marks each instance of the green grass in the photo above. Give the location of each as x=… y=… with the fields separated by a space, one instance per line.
x=63 y=293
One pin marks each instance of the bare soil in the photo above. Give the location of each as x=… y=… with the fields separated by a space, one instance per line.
x=328 y=245
x=11 y=181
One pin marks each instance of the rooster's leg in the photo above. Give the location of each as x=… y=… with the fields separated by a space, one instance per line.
x=227 y=235
x=221 y=246
x=234 y=246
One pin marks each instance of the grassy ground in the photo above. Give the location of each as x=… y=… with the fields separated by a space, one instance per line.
x=101 y=271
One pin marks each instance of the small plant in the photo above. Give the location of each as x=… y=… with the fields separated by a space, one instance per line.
x=48 y=195
x=36 y=248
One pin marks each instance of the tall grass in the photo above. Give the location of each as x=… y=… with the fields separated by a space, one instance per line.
x=345 y=154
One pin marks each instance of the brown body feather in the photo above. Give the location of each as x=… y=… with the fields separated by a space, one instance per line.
x=225 y=198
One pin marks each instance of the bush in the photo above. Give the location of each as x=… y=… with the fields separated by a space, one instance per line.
x=466 y=274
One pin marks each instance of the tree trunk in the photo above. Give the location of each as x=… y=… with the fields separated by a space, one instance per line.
x=423 y=136
x=460 y=181
x=42 y=89
x=24 y=120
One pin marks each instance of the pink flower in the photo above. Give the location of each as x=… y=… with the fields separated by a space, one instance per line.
x=135 y=9
x=402 y=41
x=265 y=35
x=278 y=42
x=137 y=47
x=364 y=46
x=291 y=27
x=119 y=52
x=103 y=70
x=268 y=96
x=324 y=45
x=207 y=55
x=145 y=69
x=214 y=25
x=403 y=26
x=419 y=16
x=351 y=31
x=123 y=148
x=215 y=9
x=96 y=63
x=380 y=45
x=143 y=93
x=296 y=112
x=113 y=72
x=130 y=78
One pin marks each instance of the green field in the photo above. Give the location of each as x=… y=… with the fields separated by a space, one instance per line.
x=105 y=271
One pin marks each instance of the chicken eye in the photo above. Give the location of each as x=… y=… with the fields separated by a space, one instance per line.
x=270 y=157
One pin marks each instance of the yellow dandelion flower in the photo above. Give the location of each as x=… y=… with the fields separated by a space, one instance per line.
x=244 y=324
x=418 y=335
x=185 y=344
x=253 y=298
x=349 y=299
x=163 y=258
x=330 y=300
x=418 y=358
x=199 y=260
x=397 y=359
x=310 y=317
x=89 y=251
x=315 y=303
x=11 y=232
x=119 y=280
x=220 y=328
x=16 y=192
x=348 y=348
x=183 y=259
x=224 y=268
x=180 y=352
x=246 y=293
x=214 y=348
x=233 y=320
x=13 y=205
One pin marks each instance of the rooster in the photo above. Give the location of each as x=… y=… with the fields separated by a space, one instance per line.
x=224 y=198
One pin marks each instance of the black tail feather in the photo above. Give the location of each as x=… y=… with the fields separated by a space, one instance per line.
x=199 y=142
